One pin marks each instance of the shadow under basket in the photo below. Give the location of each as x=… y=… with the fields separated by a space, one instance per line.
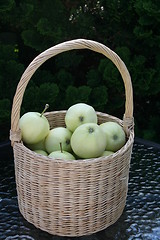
x=72 y=197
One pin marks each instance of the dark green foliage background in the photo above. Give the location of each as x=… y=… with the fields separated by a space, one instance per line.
x=130 y=28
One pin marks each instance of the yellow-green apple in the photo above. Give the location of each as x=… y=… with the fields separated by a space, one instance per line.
x=79 y=114
x=39 y=145
x=42 y=152
x=106 y=153
x=61 y=155
x=34 y=127
x=115 y=135
x=88 y=141
x=55 y=137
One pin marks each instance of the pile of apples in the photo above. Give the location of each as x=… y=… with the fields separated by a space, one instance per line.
x=82 y=138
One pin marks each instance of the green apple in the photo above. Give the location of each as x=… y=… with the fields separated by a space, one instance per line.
x=88 y=141
x=42 y=152
x=39 y=145
x=61 y=155
x=106 y=153
x=115 y=135
x=79 y=114
x=34 y=127
x=55 y=137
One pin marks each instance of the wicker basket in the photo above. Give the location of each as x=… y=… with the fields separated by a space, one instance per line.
x=72 y=197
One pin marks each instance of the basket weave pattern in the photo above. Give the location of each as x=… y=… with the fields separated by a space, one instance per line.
x=77 y=197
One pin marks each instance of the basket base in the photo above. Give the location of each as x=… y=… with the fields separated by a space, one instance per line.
x=76 y=230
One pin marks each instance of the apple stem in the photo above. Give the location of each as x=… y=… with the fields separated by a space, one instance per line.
x=61 y=147
x=46 y=107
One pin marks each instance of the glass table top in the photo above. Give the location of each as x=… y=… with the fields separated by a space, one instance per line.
x=140 y=218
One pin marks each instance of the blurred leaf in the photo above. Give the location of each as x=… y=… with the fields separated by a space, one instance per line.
x=44 y=27
x=93 y=78
x=152 y=132
x=64 y=79
x=6 y=5
x=149 y=134
x=8 y=52
x=34 y=40
x=47 y=93
x=68 y=60
x=11 y=72
x=36 y=97
x=124 y=54
x=111 y=76
x=142 y=33
x=76 y=95
x=99 y=98
x=5 y=110
x=30 y=100
x=42 y=76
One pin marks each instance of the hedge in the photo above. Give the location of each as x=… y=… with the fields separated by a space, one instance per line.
x=130 y=28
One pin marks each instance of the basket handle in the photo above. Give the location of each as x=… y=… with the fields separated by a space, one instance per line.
x=15 y=135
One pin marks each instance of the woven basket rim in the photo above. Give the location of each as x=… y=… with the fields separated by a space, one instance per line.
x=80 y=161
x=122 y=150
